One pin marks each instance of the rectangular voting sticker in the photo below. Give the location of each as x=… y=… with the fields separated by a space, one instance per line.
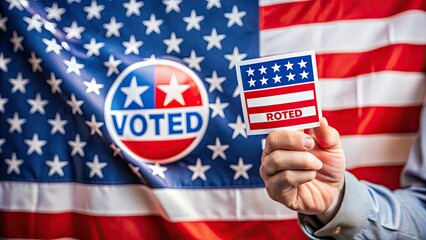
x=279 y=92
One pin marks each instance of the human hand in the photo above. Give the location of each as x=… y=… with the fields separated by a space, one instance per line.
x=305 y=172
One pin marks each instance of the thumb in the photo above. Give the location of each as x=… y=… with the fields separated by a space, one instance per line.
x=326 y=136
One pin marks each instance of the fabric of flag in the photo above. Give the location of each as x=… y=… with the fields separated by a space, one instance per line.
x=274 y=99
x=64 y=175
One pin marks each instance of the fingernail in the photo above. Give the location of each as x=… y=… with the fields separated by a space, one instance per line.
x=308 y=143
x=318 y=164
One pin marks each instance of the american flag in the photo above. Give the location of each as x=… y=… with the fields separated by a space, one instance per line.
x=275 y=98
x=63 y=175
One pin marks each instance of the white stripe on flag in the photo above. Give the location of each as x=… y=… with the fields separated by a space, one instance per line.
x=346 y=36
x=283 y=98
x=262 y=117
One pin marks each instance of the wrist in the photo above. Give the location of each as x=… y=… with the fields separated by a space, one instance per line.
x=328 y=214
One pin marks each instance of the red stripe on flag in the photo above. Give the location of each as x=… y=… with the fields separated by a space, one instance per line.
x=375 y=120
x=319 y=11
x=279 y=90
x=80 y=226
x=281 y=107
x=387 y=176
x=289 y=122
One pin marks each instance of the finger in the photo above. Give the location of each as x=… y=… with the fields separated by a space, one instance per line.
x=280 y=160
x=284 y=181
x=289 y=140
x=326 y=136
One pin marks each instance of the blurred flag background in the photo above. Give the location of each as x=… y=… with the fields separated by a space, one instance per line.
x=63 y=176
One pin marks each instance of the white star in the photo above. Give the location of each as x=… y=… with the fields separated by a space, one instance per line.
x=264 y=80
x=54 y=83
x=94 y=126
x=13 y=164
x=289 y=65
x=262 y=70
x=193 y=61
x=77 y=146
x=276 y=67
x=56 y=166
x=304 y=74
x=237 y=92
x=34 y=23
x=74 y=31
x=250 y=72
x=19 y=4
x=49 y=26
x=19 y=83
x=96 y=167
x=93 y=47
x=173 y=91
x=152 y=25
x=93 y=86
x=112 y=65
x=57 y=124
x=214 y=39
x=54 y=12
x=17 y=42
x=215 y=82
x=3 y=21
x=251 y=82
x=37 y=104
x=35 y=63
x=213 y=3
x=3 y=101
x=117 y=150
x=16 y=123
x=35 y=145
x=277 y=78
x=302 y=64
x=158 y=170
x=239 y=128
x=73 y=66
x=235 y=57
x=4 y=62
x=113 y=28
x=235 y=16
x=94 y=10
x=198 y=170
x=52 y=45
x=218 y=149
x=75 y=105
x=290 y=76
x=173 y=43
x=218 y=108
x=132 y=46
x=133 y=93
x=193 y=21
x=2 y=141
x=172 y=5
x=133 y=8
x=241 y=169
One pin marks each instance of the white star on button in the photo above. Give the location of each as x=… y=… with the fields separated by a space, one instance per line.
x=174 y=91
x=133 y=93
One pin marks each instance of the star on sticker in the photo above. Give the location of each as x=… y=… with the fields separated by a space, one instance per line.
x=239 y=128
x=37 y=104
x=193 y=21
x=218 y=149
x=112 y=65
x=133 y=8
x=252 y=82
x=54 y=83
x=214 y=40
x=133 y=93
x=290 y=76
x=218 y=108
x=52 y=45
x=302 y=64
x=54 y=12
x=96 y=167
x=289 y=65
x=74 y=31
x=94 y=126
x=94 y=10
x=57 y=124
x=132 y=46
x=277 y=78
x=173 y=43
x=264 y=80
x=35 y=145
x=13 y=164
x=56 y=166
x=93 y=86
x=113 y=28
x=193 y=61
x=213 y=3
x=75 y=105
x=34 y=23
x=215 y=82
x=174 y=91
x=198 y=170
x=235 y=57
x=152 y=25
x=16 y=123
x=3 y=21
x=276 y=67
x=262 y=70
x=3 y=101
x=93 y=47
x=304 y=74
x=77 y=146
x=172 y=5
x=17 y=42
x=35 y=63
x=4 y=62
x=250 y=72
x=19 y=83
x=73 y=66
x=157 y=169
x=241 y=169
x=235 y=16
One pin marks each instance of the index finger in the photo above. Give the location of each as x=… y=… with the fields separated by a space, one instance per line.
x=288 y=140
